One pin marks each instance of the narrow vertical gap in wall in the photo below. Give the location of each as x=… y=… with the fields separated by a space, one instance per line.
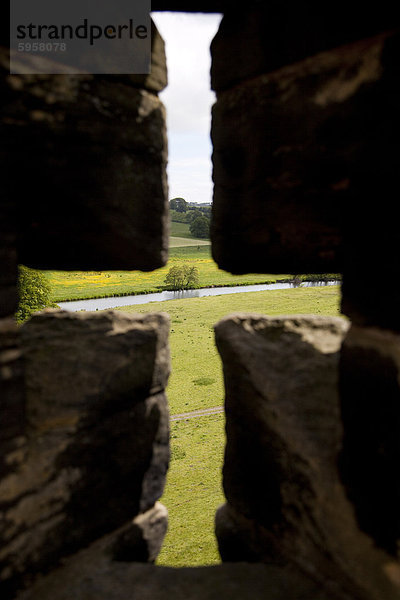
x=194 y=488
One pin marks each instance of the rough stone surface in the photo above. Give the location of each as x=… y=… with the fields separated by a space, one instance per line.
x=269 y=35
x=294 y=153
x=306 y=167
x=285 y=500
x=94 y=155
x=8 y=277
x=8 y=258
x=141 y=540
x=157 y=79
x=93 y=575
x=95 y=450
x=375 y=178
x=370 y=457
x=12 y=397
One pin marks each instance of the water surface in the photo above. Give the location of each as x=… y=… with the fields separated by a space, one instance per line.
x=117 y=301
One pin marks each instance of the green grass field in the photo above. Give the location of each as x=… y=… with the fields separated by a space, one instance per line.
x=178 y=242
x=182 y=230
x=196 y=380
x=70 y=285
x=180 y=236
x=193 y=490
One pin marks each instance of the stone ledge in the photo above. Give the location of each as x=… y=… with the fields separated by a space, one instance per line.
x=93 y=575
x=94 y=155
x=290 y=157
x=285 y=499
x=93 y=449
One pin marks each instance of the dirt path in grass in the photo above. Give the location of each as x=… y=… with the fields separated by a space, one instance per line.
x=203 y=412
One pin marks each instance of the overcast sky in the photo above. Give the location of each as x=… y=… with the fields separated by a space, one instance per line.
x=188 y=100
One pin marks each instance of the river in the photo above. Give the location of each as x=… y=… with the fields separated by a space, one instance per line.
x=117 y=301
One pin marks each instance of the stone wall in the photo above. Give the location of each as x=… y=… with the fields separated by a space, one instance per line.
x=94 y=151
x=305 y=131
x=286 y=503
x=291 y=150
x=93 y=450
x=304 y=134
x=84 y=418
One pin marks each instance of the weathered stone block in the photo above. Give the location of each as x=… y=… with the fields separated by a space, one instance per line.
x=368 y=302
x=8 y=283
x=280 y=375
x=93 y=151
x=141 y=540
x=370 y=457
x=295 y=152
x=264 y=36
x=12 y=397
x=157 y=79
x=96 y=451
x=286 y=504
x=93 y=575
x=8 y=259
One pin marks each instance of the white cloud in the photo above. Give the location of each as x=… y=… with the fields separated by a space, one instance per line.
x=188 y=100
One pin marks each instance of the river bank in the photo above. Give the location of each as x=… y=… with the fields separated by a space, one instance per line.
x=92 y=304
x=83 y=285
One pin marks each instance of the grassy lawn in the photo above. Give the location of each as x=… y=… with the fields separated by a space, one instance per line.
x=178 y=242
x=182 y=230
x=193 y=490
x=69 y=285
x=196 y=380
